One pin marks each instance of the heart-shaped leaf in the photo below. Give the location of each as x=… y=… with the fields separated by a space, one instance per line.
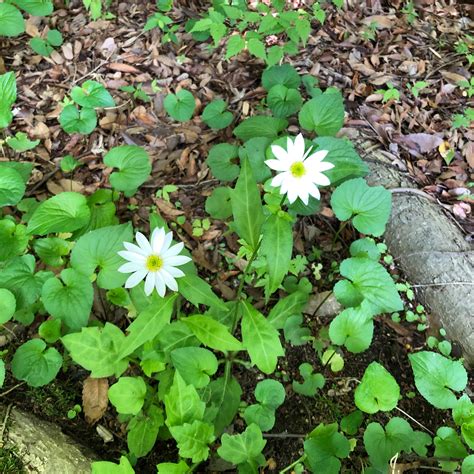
x=92 y=94
x=181 y=105
x=82 y=121
x=216 y=115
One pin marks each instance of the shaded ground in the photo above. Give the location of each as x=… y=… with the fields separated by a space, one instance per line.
x=116 y=53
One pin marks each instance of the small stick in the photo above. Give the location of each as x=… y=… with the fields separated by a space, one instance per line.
x=416 y=421
x=11 y=389
x=4 y=424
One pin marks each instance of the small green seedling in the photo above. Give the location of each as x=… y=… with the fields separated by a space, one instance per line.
x=45 y=47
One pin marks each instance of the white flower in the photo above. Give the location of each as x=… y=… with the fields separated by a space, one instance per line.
x=300 y=173
x=154 y=261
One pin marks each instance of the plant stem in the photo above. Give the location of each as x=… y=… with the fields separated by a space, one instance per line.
x=321 y=304
x=341 y=228
x=292 y=465
x=246 y=271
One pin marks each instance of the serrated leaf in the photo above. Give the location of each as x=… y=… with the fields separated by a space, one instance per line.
x=284 y=74
x=65 y=212
x=143 y=431
x=284 y=102
x=14 y=239
x=242 y=448
x=260 y=126
x=7 y=305
x=218 y=204
x=36 y=7
x=312 y=381
x=11 y=24
x=92 y=94
x=193 y=440
x=106 y=467
x=235 y=45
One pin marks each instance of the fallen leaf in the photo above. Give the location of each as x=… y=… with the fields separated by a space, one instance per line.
x=94 y=399
x=417 y=143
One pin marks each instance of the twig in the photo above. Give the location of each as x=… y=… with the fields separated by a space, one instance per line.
x=415 y=421
x=4 y=424
x=448 y=283
x=418 y=192
x=11 y=389
x=101 y=64
x=284 y=435
x=437 y=252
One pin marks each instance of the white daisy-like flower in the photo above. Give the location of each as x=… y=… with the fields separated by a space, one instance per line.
x=300 y=173
x=154 y=261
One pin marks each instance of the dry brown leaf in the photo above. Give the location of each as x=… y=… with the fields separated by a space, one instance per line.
x=94 y=399
x=41 y=131
x=123 y=68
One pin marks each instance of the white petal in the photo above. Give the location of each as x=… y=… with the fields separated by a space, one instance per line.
x=149 y=283
x=160 y=284
x=325 y=166
x=292 y=193
x=135 y=279
x=135 y=248
x=170 y=282
x=284 y=185
x=320 y=179
x=279 y=178
x=314 y=191
x=304 y=195
x=143 y=242
x=173 y=250
x=130 y=267
x=298 y=148
x=157 y=239
x=315 y=158
x=279 y=152
x=174 y=272
x=176 y=261
x=132 y=256
x=289 y=147
x=278 y=165
x=167 y=242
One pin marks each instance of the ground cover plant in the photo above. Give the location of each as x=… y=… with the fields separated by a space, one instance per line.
x=102 y=289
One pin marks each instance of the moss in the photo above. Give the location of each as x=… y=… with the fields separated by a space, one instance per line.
x=10 y=463
x=52 y=401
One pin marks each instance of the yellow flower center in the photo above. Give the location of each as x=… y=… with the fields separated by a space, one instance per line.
x=297 y=169
x=154 y=263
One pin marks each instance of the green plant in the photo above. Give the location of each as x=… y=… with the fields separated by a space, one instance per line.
x=370 y=31
x=11 y=18
x=417 y=87
x=46 y=46
x=410 y=12
x=464 y=119
x=391 y=93
x=467 y=87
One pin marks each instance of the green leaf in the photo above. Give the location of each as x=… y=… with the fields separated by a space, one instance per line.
x=288 y=306
x=7 y=305
x=247 y=206
x=212 y=333
x=283 y=102
x=51 y=250
x=182 y=403
x=260 y=338
x=181 y=105
x=41 y=46
x=98 y=250
x=254 y=150
x=378 y=390
x=172 y=468
x=13 y=238
x=257 y=48
x=65 y=212
x=295 y=333
x=97 y=350
x=369 y=281
x=92 y=94
x=222 y=402
x=11 y=24
x=284 y=74
x=216 y=116
x=218 y=204
x=197 y=291
x=35 y=364
x=323 y=114
x=12 y=187
x=69 y=300
x=50 y=330
x=2 y=373
x=260 y=126
x=277 y=247
x=365 y=248
x=342 y=154
x=270 y=393
x=244 y=447
x=235 y=45
x=351 y=423
x=193 y=440
x=448 y=444
x=143 y=431
x=221 y=160
x=353 y=328
x=468 y=465
x=22 y=168
x=36 y=7
x=82 y=121
x=20 y=142
x=435 y=377
x=382 y=445
x=174 y=335
x=106 y=467
x=127 y=395
x=55 y=38
x=195 y=365
x=134 y=167
x=312 y=382
x=324 y=448
x=370 y=205
x=148 y=323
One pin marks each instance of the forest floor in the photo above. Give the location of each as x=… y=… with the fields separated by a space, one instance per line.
x=348 y=52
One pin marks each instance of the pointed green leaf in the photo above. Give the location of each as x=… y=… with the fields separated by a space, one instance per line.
x=195 y=365
x=82 y=121
x=92 y=94
x=127 y=395
x=11 y=24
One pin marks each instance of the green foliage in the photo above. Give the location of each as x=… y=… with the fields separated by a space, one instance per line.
x=180 y=106
x=260 y=126
x=45 y=47
x=20 y=142
x=128 y=395
x=312 y=382
x=7 y=83
x=11 y=21
x=74 y=120
x=106 y=467
x=216 y=115
x=221 y=161
x=92 y=94
x=437 y=376
x=7 y=305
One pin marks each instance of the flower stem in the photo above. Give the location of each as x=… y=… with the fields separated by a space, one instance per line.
x=292 y=465
x=341 y=228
